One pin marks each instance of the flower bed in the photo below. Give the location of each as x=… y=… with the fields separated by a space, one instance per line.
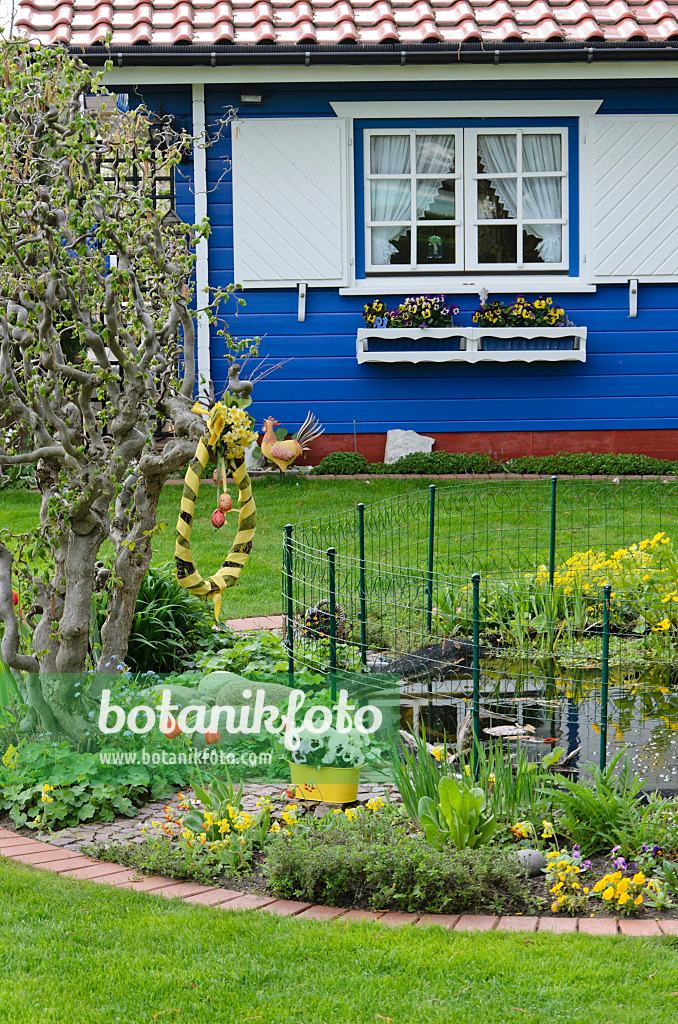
x=452 y=847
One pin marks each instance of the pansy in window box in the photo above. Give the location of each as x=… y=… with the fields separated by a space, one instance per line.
x=420 y=329
x=541 y=329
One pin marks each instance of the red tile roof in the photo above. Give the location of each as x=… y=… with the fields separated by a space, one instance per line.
x=330 y=22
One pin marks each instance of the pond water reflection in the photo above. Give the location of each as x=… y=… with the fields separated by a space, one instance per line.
x=563 y=707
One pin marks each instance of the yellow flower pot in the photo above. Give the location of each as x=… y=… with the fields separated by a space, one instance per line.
x=328 y=785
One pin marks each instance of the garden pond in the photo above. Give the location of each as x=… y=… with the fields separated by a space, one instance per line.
x=563 y=707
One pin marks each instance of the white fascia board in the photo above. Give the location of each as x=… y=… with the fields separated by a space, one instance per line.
x=474 y=109
x=171 y=74
x=202 y=247
x=467 y=285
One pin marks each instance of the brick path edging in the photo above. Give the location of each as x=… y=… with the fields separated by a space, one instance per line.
x=70 y=864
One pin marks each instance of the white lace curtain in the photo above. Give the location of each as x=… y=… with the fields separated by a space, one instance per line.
x=541 y=196
x=391 y=198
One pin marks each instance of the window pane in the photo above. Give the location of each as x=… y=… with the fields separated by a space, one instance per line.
x=435 y=200
x=391 y=246
x=497 y=199
x=496 y=154
x=542 y=198
x=542 y=153
x=542 y=243
x=436 y=244
x=390 y=154
x=435 y=154
x=390 y=199
x=497 y=244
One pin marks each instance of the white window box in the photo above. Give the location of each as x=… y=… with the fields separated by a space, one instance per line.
x=529 y=344
x=471 y=344
x=414 y=344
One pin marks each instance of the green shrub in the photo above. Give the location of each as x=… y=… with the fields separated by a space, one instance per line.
x=19 y=476
x=342 y=464
x=157 y=858
x=375 y=862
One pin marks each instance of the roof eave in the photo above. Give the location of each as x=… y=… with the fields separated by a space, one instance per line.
x=396 y=53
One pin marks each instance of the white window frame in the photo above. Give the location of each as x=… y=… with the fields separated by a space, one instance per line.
x=466 y=221
x=470 y=183
x=413 y=224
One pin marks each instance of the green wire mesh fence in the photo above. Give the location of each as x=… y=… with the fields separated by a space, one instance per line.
x=568 y=636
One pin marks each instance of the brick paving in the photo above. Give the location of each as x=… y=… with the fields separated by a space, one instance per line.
x=256 y=622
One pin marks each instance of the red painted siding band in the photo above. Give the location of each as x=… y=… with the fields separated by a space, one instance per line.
x=660 y=444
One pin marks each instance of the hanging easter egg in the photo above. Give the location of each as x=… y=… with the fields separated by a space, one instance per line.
x=218 y=519
x=215 y=476
x=225 y=502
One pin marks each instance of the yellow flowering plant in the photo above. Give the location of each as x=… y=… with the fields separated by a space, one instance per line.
x=566 y=878
x=644 y=582
x=626 y=894
x=543 y=312
x=221 y=823
x=10 y=758
x=216 y=831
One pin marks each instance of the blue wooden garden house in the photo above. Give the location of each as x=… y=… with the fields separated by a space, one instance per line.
x=401 y=147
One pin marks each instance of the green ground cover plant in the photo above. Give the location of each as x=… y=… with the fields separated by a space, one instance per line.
x=48 y=786
x=374 y=860
x=151 y=956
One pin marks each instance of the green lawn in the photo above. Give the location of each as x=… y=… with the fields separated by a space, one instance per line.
x=258 y=592
x=490 y=527
x=79 y=953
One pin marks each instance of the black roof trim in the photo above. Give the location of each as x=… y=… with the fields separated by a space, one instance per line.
x=474 y=52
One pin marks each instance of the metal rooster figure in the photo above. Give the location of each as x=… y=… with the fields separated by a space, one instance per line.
x=283 y=453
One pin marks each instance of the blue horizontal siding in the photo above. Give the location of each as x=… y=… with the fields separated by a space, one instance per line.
x=629 y=380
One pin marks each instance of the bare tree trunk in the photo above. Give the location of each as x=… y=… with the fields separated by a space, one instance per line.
x=129 y=568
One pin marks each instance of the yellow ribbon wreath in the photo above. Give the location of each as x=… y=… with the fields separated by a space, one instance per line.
x=211 y=444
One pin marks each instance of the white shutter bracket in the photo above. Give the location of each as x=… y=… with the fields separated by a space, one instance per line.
x=633 y=297
x=301 y=309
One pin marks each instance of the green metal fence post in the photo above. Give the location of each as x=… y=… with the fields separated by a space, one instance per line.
x=363 y=590
x=331 y=554
x=552 y=563
x=475 y=580
x=431 y=541
x=552 y=549
x=289 y=610
x=605 y=676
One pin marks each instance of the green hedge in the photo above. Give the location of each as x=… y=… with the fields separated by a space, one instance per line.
x=437 y=463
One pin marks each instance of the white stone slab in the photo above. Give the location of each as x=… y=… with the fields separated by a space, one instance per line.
x=405 y=442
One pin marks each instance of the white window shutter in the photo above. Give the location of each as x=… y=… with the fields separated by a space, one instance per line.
x=633 y=197
x=290 y=201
